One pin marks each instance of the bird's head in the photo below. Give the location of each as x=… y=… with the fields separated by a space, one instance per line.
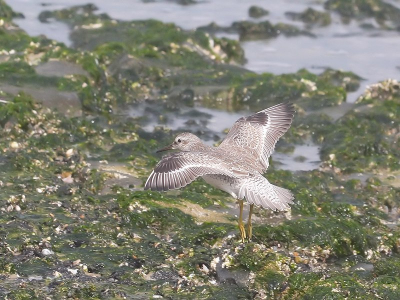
x=185 y=142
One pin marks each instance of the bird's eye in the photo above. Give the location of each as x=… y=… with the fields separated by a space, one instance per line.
x=179 y=140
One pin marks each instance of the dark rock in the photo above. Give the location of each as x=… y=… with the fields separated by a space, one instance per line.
x=187 y=97
x=95 y=268
x=250 y=30
x=79 y=243
x=135 y=263
x=311 y=17
x=213 y=28
x=257 y=12
x=264 y=30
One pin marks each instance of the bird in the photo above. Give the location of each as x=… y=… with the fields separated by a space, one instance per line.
x=236 y=166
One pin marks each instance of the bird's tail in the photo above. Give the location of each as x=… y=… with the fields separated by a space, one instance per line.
x=257 y=190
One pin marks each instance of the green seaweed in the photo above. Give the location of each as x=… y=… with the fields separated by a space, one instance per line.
x=375 y=147
x=308 y=90
x=20 y=110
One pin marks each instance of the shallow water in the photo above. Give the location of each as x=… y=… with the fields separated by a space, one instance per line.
x=372 y=58
x=303 y=158
x=210 y=119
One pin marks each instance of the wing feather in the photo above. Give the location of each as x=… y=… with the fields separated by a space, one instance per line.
x=179 y=169
x=257 y=190
x=258 y=134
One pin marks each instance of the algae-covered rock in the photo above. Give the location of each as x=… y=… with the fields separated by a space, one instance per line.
x=313 y=126
x=265 y=30
x=6 y=13
x=249 y=30
x=257 y=12
x=311 y=17
x=129 y=62
x=347 y=80
x=151 y=38
x=308 y=90
x=11 y=38
x=384 y=13
x=367 y=136
x=76 y=15
x=380 y=92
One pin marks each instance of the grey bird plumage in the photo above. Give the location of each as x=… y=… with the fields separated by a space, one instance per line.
x=236 y=165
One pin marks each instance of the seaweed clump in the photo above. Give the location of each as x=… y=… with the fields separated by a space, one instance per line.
x=366 y=138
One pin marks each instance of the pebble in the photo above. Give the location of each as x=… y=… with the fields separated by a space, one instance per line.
x=73 y=271
x=47 y=252
x=69 y=153
x=14 y=145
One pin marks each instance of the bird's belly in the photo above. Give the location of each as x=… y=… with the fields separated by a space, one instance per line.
x=222 y=182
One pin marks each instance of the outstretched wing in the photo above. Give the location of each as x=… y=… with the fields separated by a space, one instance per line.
x=179 y=169
x=257 y=134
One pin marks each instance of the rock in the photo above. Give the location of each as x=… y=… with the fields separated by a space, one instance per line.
x=47 y=252
x=311 y=17
x=257 y=12
x=14 y=145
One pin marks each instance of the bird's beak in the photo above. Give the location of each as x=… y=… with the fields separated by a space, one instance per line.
x=169 y=147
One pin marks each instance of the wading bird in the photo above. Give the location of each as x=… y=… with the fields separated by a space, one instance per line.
x=235 y=166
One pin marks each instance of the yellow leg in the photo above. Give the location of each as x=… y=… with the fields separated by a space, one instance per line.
x=249 y=226
x=241 y=226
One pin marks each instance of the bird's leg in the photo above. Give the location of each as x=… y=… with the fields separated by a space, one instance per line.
x=241 y=226
x=249 y=226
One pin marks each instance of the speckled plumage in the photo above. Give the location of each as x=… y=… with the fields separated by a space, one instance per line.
x=236 y=165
